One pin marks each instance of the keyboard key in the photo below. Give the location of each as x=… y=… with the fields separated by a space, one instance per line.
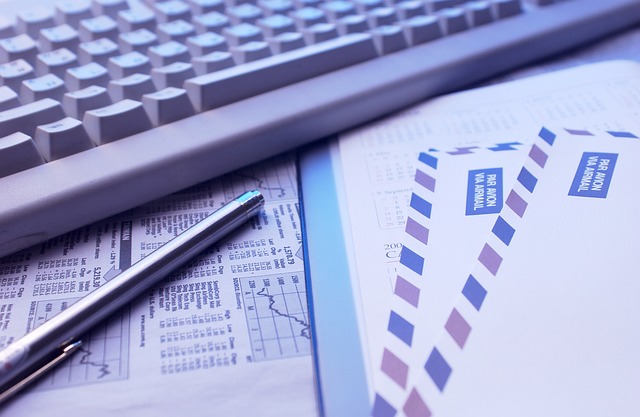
x=300 y=4
x=363 y=6
x=337 y=9
x=18 y=47
x=13 y=73
x=27 y=117
x=242 y=33
x=206 y=43
x=117 y=121
x=505 y=8
x=86 y=75
x=389 y=38
x=244 y=13
x=139 y=17
x=46 y=86
x=276 y=24
x=211 y=22
x=320 y=32
x=453 y=20
x=8 y=98
x=6 y=28
x=287 y=41
x=18 y=152
x=109 y=7
x=167 y=53
x=211 y=62
x=62 y=138
x=172 y=75
x=308 y=16
x=271 y=7
x=236 y=83
x=167 y=11
x=121 y=66
x=175 y=30
x=132 y=87
x=250 y=51
x=77 y=102
x=56 y=62
x=420 y=29
x=353 y=24
x=98 y=27
x=167 y=105
x=98 y=51
x=62 y=36
x=31 y=21
x=408 y=9
x=139 y=40
x=200 y=7
x=437 y=5
x=478 y=13
x=72 y=12
x=231 y=3
x=382 y=16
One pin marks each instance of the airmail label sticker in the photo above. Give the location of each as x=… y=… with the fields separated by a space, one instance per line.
x=484 y=191
x=594 y=175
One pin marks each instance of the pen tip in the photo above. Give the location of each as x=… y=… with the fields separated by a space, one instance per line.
x=252 y=200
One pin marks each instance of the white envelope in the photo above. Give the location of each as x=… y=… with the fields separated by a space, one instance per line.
x=456 y=197
x=547 y=320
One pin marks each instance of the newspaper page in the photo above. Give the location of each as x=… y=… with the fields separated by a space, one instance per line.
x=226 y=334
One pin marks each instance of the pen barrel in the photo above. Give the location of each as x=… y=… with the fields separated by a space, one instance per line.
x=69 y=325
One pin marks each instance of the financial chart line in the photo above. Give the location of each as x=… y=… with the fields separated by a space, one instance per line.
x=275 y=312
x=262 y=337
x=306 y=331
x=102 y=367
x=261 y=184
x=284 y=299
x=273 y=317
x=277 y=321
x=103 y=356
x=275 y=183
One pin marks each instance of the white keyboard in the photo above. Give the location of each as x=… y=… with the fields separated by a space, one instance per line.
x=107 y=104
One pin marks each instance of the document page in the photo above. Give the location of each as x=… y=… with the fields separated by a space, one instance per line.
x=377 y=163
x=228 y=334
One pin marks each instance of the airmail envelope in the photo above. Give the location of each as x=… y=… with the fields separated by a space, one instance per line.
x=456 y=197
x=546 y=322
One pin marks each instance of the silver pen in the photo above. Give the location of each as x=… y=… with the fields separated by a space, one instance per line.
x=43 y=348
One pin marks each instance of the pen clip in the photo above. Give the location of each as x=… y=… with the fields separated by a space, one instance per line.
x=40 y=370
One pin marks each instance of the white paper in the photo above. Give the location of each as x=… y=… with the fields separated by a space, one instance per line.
x=227 y=335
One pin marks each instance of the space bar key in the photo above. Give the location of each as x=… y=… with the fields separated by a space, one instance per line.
x=243 y=81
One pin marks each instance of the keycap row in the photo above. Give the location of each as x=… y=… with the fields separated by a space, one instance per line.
x=127 y=57
x=90 y=16
x=136 y=101
x=105 y=120
x=43 y=133
x=171 y=63
x=47 y=37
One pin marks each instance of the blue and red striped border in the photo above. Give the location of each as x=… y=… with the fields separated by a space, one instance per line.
x=457 y=329
x=406 y=293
